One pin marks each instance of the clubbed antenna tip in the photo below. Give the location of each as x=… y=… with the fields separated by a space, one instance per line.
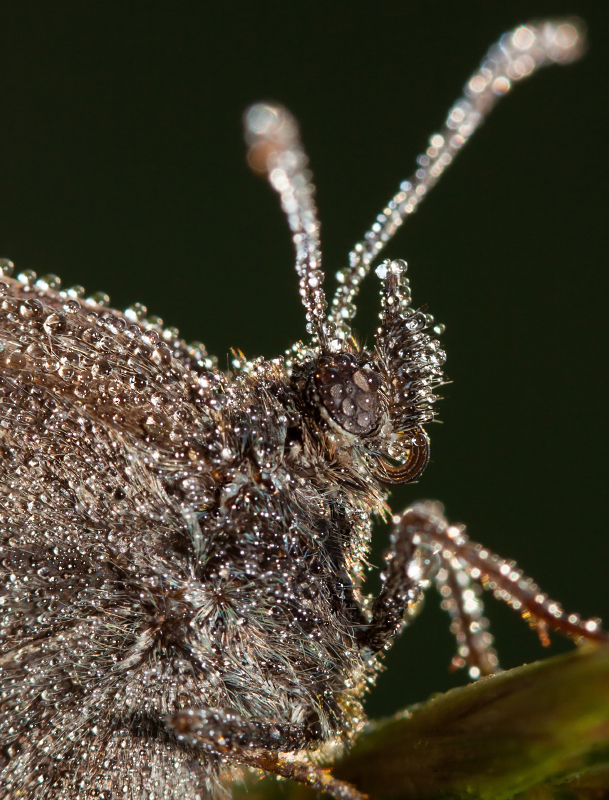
x=270 y=130
x=564 y=41
x=517 y=55
x=275 y=150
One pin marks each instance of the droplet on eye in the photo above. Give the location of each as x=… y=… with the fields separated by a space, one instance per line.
x=348 y=407
x=365 y=402
x=361 y=381
x=363 y=420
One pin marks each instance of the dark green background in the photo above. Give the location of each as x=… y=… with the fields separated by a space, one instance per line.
x=123 y=169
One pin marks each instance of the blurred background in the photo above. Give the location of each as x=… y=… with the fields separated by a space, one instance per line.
x=123 y=169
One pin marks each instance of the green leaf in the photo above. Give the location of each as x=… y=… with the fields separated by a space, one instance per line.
x=540 y=731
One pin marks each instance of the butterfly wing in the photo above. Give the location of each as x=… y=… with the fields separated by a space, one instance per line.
x=105 y=429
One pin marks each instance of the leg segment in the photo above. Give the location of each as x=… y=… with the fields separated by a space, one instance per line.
x=463 y=566
x=259 y=744
x=410 y=564
x=221 y=731
x=503 y=577
x=461 y=599
x=403 y=580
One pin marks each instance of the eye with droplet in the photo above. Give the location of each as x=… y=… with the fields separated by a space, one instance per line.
x=349 y=393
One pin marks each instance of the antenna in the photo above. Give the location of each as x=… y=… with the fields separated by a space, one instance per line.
x=275 y=150
x=517 y=55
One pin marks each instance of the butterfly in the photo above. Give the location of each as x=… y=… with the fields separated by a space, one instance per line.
x=183 y=549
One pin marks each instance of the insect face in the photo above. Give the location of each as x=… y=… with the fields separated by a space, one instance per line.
x=373 y=405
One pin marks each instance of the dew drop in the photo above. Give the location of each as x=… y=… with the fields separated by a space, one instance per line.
x=27 y=277
x=49 y=281
x=15 y=360
x=99 y=299
x=6 y=267
x=136 y=312
x=71 y=306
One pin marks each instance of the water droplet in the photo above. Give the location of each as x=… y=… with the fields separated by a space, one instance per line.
x=27 y=277
x=71 y=306
x=99 y=299
x=136 y=312
x=49 y=281
x=15 y=360
x=6 y=267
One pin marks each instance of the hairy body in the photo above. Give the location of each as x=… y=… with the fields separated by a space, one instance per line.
x=166 y=544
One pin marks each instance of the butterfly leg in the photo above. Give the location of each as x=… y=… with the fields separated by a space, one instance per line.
x=261 y=745
x=402 y=590
x=422 y=536
x=464 y=564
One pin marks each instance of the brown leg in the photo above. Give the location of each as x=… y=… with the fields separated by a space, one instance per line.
x=402 y=589
x=313 y=776
x=261 y=745
x=425 y=522
x=461 y=599
x=219 y=730
x=410 y=564
x=421 y=536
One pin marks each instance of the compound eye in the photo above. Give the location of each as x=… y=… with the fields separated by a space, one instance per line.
x=349 y=393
